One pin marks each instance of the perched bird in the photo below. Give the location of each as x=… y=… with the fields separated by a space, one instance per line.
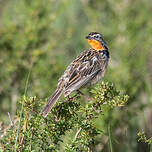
x=88 y=68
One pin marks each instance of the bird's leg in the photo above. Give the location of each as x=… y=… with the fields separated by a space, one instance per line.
x=69 y=98
x=86 y=97
x=89 y=99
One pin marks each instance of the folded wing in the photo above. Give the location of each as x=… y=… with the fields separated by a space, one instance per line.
x=82 y=72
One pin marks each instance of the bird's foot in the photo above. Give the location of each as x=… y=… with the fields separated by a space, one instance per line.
x=86 y=97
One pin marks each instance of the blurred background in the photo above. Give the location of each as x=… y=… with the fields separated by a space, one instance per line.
x=45 y=36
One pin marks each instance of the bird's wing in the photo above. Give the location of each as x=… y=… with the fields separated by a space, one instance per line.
x=82 y=70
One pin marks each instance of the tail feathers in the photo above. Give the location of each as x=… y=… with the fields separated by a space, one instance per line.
x=52 y=100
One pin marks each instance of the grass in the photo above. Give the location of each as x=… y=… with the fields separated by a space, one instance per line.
x=110 y=138
x=22 y=108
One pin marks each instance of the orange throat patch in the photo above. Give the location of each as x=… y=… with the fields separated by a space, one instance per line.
x=96 y=45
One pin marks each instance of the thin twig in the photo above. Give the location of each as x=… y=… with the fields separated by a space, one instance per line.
x=9 y=127
x=12 y=122
x=77 y=133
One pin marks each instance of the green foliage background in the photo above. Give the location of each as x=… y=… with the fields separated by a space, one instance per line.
x=45 y=36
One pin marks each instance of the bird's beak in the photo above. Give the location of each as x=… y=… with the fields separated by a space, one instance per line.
x=88 y=37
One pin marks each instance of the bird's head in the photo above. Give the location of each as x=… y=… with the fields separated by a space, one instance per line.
x=96 y=41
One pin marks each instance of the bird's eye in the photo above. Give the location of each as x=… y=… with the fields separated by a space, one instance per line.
x=96 y=36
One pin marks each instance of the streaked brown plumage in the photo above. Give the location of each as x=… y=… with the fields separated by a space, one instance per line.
x=88 y=68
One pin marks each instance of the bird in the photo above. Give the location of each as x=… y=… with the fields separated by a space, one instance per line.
x=87 y=69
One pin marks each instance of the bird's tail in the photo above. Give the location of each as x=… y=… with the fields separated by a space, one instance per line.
x=52 y=100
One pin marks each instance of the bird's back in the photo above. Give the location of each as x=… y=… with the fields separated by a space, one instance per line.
x=88 y=67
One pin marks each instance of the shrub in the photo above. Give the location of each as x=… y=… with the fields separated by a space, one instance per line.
x=33 y=132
